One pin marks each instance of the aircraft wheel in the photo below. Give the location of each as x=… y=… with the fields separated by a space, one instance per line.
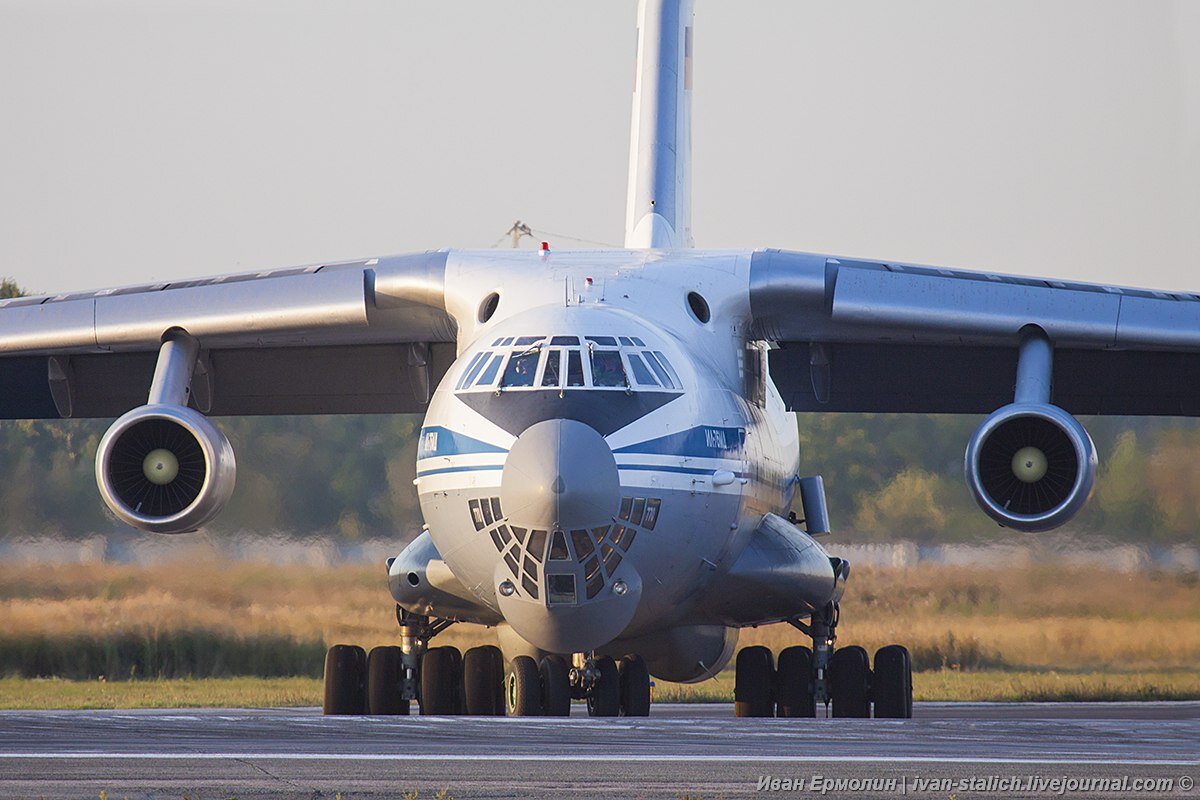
x=345 y=680
x=892 y=684
x=635 y=687
x=556 y=686
x=383 y=682
x=483 y=681
x=523 y=688
x=604 y=700
x=441 y=681
x=793 y=684
x=752 y=685
x=850 y=682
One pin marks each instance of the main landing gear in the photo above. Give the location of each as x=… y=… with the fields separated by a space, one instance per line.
x=476 y=683
x=804 y=678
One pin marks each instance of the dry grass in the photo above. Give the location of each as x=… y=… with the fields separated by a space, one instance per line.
x=25 y=693
x=211 y=619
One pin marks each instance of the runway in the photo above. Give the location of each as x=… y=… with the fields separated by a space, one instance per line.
x=696 y=750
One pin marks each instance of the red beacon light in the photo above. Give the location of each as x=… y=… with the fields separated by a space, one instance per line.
x=545 y=248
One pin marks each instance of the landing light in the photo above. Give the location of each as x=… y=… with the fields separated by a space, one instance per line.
x=620 y=588
x=507 y=589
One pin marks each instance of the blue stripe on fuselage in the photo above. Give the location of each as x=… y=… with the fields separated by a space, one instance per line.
x=439 y=441
x=703 y=441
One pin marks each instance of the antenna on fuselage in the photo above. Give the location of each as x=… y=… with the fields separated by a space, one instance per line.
x=518 y=230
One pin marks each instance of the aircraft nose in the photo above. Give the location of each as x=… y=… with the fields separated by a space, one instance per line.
x=560 y=473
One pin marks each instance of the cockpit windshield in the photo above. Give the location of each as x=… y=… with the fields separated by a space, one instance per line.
x=607 y=369
x=569 y=362
x=521 y=369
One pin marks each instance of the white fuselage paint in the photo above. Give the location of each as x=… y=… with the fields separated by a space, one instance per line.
x=703 y=524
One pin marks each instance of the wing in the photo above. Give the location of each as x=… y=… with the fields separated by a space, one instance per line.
x=356 y=337
x=877 y=336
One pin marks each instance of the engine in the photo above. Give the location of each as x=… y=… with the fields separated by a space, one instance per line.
x=1031 y=466
x=165 y=468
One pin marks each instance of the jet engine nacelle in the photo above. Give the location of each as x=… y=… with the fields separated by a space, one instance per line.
x=1031 y=466
x=165 y=469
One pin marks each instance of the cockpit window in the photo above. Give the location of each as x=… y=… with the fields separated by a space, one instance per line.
x=660 y=369
x=574 y=368
x=612 y=362
x=472 y=369
x=489 y=374
x=552 y=375
x=521 y=369
x=607 y=369
x=640 y=373
x=674 y=375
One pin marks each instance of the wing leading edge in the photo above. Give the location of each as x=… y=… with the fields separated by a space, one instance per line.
x=877 y=336
x=357 y=337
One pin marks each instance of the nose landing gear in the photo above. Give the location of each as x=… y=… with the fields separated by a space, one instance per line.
x=609 y=689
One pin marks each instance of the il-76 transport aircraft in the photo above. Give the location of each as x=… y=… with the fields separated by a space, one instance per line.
x=608 y=455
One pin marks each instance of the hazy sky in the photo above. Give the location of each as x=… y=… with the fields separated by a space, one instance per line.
x=148 y=140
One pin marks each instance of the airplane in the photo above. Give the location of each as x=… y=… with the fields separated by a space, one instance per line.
x=608 y=454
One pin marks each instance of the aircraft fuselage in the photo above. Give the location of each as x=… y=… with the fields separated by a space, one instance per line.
x=602 y=448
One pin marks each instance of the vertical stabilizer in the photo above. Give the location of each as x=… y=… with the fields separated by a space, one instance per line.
x=659 y=207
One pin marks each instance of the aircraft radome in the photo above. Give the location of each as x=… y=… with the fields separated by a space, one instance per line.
x=608 y=451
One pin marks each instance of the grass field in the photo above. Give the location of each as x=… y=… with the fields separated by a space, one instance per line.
x=975 y=633
x=243 y=692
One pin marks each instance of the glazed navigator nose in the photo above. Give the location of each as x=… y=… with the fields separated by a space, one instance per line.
x=560 y=473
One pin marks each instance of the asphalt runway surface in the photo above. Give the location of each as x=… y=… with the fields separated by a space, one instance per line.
x=948 y=749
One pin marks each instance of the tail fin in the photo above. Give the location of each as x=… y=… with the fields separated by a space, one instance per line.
x=659 y=208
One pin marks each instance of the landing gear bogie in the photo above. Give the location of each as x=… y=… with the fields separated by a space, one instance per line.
x=841 y=680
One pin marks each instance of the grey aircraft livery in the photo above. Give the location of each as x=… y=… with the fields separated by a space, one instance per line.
x=608 y=453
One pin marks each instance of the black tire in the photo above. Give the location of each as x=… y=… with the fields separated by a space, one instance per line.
x=850 y=682
x=483 y=682
x=556 y=686
x=635 y=686
x=793 y=684
x=604 y=700
x=523 y=688
x=345 y=680
x=754 y=676
x=441 y=681
x=891 y=686
x=383 y=682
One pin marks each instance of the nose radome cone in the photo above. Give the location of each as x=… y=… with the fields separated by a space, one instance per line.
x=560 y=473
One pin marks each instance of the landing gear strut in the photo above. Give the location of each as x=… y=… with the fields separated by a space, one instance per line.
x=841 y=680
x=388 y=679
